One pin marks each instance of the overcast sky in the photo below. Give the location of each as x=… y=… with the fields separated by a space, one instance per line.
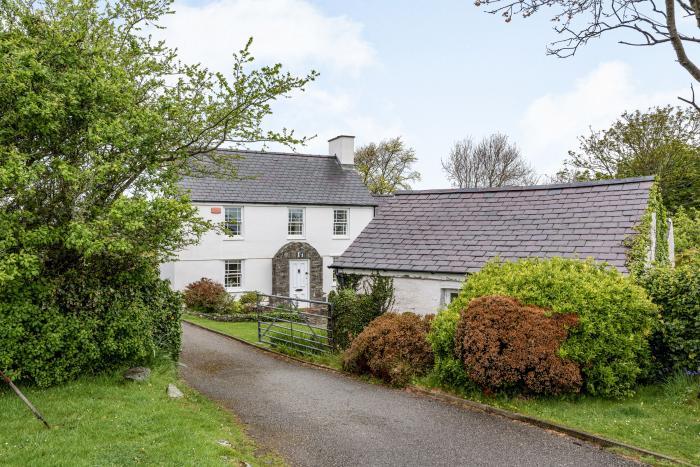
x=431 y=72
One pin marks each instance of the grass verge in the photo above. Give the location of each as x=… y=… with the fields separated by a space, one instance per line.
x=248 y=331
x=105 y=420
x=664 y=418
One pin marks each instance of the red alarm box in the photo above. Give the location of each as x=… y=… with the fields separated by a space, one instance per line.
x=216 y=210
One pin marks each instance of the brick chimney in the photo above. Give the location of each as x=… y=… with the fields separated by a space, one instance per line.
x=343 y=147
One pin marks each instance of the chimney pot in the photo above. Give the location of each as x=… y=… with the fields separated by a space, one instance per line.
x=343 y=147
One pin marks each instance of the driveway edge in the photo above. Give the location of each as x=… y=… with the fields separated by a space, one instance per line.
x=471 y=405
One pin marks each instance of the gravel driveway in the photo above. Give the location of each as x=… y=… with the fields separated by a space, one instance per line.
x=317 y=418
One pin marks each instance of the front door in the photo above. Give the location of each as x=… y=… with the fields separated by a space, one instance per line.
x=299 y=279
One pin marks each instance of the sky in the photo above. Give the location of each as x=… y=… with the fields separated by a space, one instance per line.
x=431 y=72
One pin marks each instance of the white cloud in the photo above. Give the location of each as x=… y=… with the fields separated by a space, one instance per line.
x=292 y=32
x=330 y=113
x=301 y=37
x=553 y=122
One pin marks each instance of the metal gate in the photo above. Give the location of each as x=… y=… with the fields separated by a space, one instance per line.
x=305 y=326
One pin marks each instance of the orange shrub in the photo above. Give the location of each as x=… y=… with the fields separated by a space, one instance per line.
x=206 y=296
x=504 y=344
x=392 y=347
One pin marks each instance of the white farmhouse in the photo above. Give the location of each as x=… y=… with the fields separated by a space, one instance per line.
x=287 y=220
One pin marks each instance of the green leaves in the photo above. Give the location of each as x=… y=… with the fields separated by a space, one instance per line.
x=663 y=141
x=387 y=166
x=616 y=317
x=676 y=342
x=98 y=123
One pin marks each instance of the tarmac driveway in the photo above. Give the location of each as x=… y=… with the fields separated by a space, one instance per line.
x=314 y=417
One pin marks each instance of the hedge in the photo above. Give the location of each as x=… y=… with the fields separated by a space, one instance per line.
x=616 y=318
x=676 y=343
x=354 y=309
x=83 y=322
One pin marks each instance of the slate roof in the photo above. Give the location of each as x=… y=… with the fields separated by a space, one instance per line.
x=458 y=231
x=283 y=178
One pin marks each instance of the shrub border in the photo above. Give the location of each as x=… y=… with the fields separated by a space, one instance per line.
x=229 y=318
x=467 y=404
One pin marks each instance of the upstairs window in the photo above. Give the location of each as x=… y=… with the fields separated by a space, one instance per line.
x=233 y=274
x=233 y=221
x=340 y=222
x=295 y=225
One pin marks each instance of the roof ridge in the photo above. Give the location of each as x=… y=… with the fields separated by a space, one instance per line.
x=276 y=153
x=612 y=181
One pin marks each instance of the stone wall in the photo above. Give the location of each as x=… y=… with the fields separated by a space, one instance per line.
x=280 y=269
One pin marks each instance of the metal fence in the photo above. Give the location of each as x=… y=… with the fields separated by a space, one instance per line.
x=304 y=326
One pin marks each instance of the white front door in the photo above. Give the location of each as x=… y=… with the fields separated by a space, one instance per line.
x=299 y=279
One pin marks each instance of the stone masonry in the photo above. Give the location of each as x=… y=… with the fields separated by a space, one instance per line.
x=280 y=269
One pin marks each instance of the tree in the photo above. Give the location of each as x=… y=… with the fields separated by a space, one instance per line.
x=98 y=122
x=387 y=166
x=635 y=22
x=686 y=230
x=664 y=141
x=494 y=162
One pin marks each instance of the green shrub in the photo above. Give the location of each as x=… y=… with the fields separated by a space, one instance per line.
x=686 y=231
x=676 y=343
x=207 y=296
x=611 y=343
x=353 y=310
x=505 y=345
x=231 y=306
x=54 y=330
x=249 y=299
x=392 y=347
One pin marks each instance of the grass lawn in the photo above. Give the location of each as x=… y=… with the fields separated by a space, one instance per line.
x=664 y=418
x=106 y=420
x=248 y=331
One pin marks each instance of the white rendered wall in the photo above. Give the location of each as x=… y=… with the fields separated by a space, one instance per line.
x=421 y=296
x=420 y=293
x=264 y=233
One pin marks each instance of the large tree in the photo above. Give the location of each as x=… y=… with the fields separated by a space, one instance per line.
x=493 y=162
x=387 y=166
x=97 y=123
x=633 y=22
x=664 y=141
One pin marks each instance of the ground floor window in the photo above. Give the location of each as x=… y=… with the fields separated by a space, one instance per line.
x=448 y=295
x=233 y=273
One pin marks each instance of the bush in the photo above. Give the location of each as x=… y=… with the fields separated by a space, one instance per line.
x=616 y=318
x=686 y=230
x=353 y=310
x=249 y=300
x=505 y=345
x=53 y=330
x=206 y=296
x=393 y=347
x=676 y=343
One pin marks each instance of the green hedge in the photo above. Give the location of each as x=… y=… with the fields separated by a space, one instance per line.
x=54 y=330
x=353 y=310
x=676 y=344
x=616 y=318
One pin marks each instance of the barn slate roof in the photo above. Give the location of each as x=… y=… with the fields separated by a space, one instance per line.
x=282 y=178
x=459 y=230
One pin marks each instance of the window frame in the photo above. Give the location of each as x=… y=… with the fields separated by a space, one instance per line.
x=289 y=222
x=446 y=295
x=239 y=274
x=239 y=235
x=346 y=224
